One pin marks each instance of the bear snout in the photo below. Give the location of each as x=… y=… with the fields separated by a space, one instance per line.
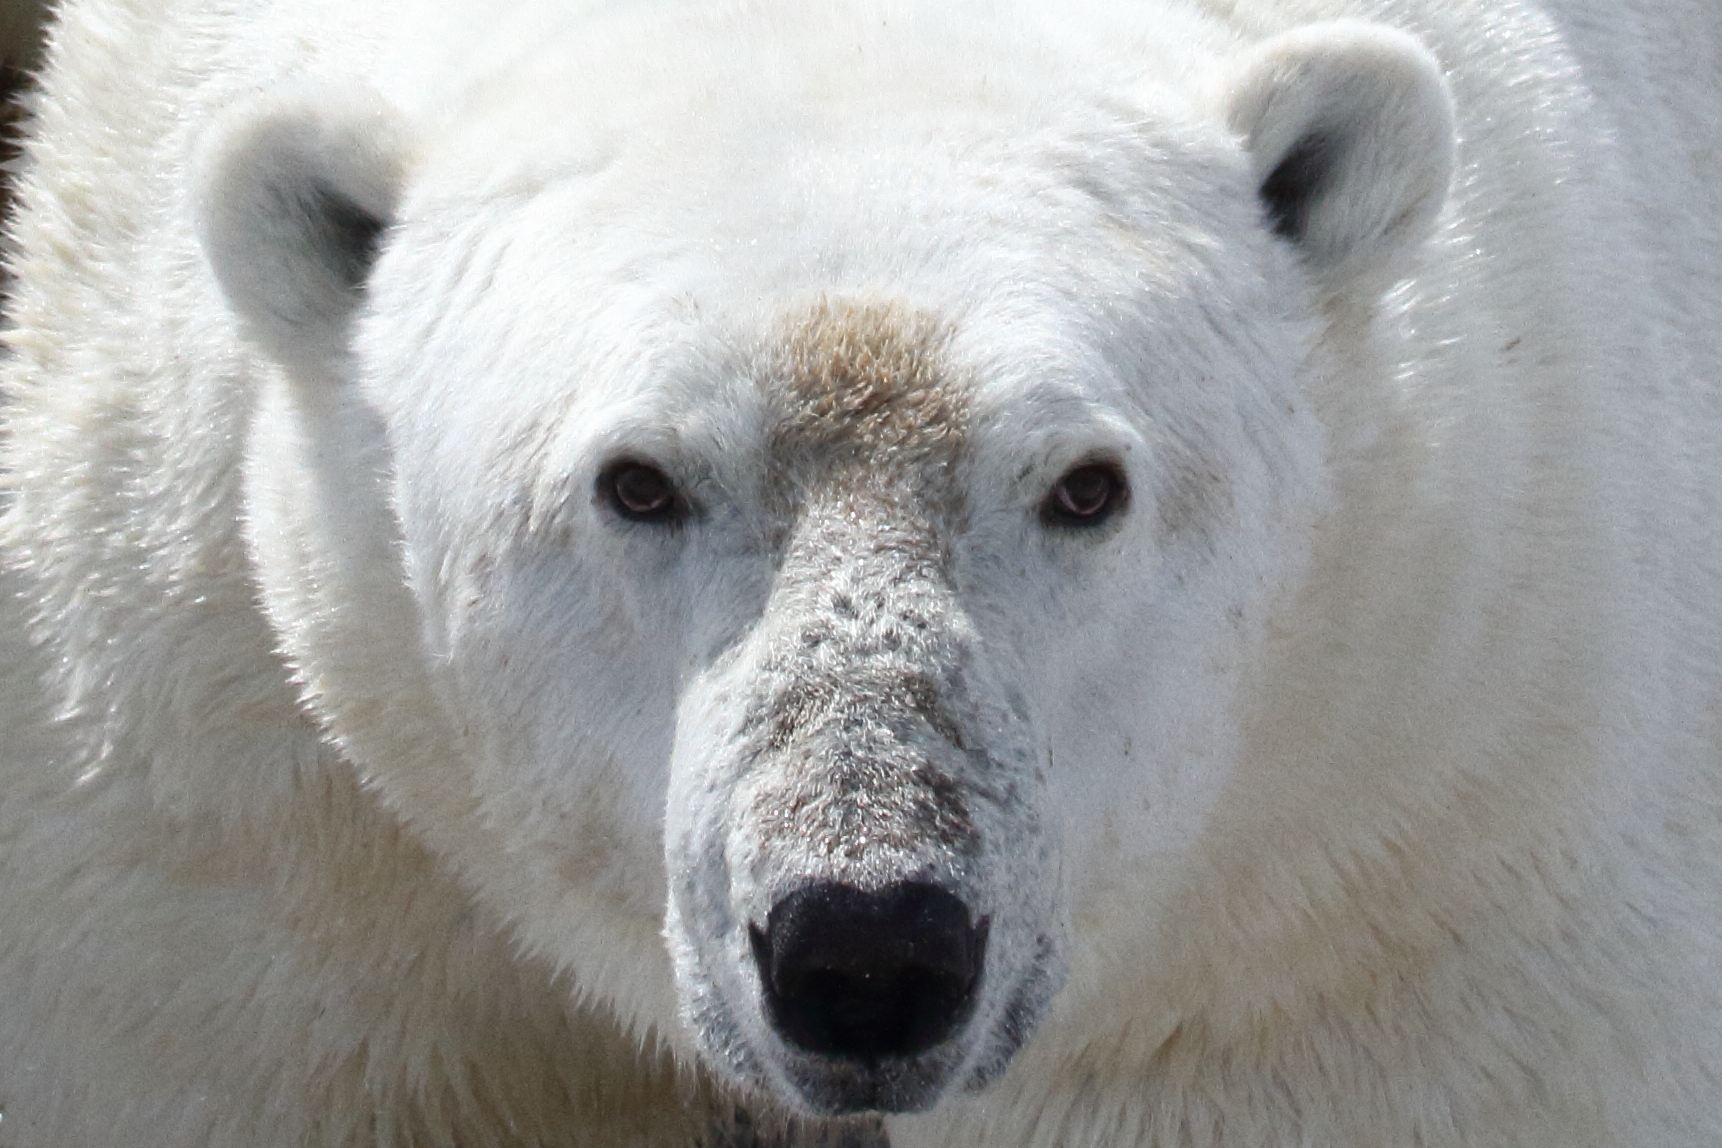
x=858 y=829
x=863 y=975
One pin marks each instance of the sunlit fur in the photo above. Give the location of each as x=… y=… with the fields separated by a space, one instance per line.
x=367 y=780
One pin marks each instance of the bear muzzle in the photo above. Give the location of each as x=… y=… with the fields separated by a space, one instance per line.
x=856 y=840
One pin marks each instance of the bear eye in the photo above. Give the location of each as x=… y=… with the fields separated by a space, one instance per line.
x=640 y=492
x=1085 y=496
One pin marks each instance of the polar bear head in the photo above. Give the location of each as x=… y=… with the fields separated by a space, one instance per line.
x=794 y=540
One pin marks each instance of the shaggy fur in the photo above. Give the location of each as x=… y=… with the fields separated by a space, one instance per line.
x=370 y=777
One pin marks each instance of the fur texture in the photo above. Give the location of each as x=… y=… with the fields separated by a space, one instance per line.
x=500 y=503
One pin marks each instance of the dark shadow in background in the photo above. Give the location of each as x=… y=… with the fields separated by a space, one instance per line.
x=20 y=48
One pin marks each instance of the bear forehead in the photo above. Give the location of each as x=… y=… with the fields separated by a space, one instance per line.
x=865 y=390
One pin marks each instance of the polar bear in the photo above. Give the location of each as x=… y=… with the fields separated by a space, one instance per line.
x=874 y=573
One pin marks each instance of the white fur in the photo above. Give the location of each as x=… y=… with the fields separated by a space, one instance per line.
x=367 y=781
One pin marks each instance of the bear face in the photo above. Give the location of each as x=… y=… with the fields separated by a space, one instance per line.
x=743 y=568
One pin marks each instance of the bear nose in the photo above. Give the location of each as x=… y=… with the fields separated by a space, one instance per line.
x=864 y=975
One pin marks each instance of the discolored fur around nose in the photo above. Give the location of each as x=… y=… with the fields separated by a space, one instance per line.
x=863 y=975
x=862 y=917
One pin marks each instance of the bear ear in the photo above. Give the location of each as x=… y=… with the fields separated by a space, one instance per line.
x=1351 y=129
x=294 y=194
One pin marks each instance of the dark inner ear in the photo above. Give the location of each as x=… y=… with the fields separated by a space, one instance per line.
x=346 y=235
x=1298 y=180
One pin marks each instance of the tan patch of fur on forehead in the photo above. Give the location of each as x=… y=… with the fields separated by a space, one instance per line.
x=866 y=383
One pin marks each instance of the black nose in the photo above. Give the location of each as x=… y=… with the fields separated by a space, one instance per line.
x=865 y=975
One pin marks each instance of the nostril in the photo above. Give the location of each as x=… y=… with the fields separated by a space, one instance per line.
x=869 y=974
